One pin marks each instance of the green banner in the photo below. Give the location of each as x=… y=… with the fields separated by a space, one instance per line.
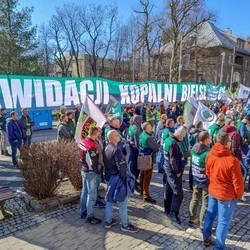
x=51 y=92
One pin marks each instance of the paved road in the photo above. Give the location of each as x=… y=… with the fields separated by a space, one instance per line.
x=10 y=175
x=61 y=228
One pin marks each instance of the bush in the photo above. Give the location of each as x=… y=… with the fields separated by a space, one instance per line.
x=43 y=166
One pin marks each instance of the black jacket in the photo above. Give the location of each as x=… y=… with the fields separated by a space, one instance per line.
x=114 y=162
x=26 y=123
x=2 y=122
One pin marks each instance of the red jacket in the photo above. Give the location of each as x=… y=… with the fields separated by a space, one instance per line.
x=88 y=154
x=236 y=139
x=224 y=173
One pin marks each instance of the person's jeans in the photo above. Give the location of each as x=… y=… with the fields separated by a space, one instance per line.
x=173 y=194
x=123 y=211
x=199 y=193
x=132 y=161
x=89 y=192
x=14 y=146
x=3 y=140
x=27 y=140
x=160 y=160
x=225 y=210
x=244 y=149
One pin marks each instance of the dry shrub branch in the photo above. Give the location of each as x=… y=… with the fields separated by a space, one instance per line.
x=43 y=166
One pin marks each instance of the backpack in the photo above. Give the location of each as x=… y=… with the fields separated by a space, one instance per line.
x=192 y=138
x=213 y=135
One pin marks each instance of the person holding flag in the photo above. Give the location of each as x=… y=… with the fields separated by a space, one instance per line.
x=88 y=154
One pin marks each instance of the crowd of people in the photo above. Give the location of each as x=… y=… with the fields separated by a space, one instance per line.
x=18 y=131
x=218 y=159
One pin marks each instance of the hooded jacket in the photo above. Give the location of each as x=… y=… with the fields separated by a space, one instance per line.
x=236 y=139
x=198 y=155
x=224 y=173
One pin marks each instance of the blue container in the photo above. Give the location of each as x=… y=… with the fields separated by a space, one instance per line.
x=42 y=119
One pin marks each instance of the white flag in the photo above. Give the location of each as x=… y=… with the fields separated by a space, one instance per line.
x=205 y=115
x=244 y=92
x=90 y=116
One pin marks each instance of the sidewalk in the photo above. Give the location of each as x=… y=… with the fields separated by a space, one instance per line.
x=63 y=229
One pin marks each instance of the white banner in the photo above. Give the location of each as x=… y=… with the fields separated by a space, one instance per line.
x=244 y=92
x=205 y=115
x=90 y=116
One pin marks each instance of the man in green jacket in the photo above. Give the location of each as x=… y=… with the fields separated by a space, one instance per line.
x=199 y=153
x=216 y=129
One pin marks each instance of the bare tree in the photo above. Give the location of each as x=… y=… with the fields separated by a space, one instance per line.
x=99 y=21
x=60 y=45
x=184 y=17
x=149 y=33
x=68 y=16
x=45 y=50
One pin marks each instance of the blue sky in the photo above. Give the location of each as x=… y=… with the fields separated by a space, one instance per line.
x=231 y=14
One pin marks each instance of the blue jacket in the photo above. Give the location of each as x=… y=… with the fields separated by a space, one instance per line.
x=14 y=130
x=118 y=189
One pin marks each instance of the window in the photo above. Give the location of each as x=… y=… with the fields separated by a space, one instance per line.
x=230 y=59
x=188 y=59
x=239 y=60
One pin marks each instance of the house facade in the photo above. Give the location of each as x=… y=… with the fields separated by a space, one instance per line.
x=209 y=55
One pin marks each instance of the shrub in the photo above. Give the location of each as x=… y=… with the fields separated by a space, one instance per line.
x=73 y=171
x=43 y=166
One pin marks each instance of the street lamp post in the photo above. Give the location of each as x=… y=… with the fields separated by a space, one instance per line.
x=222 y=66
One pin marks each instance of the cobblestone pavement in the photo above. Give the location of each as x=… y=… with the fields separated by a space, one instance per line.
x=63 y=229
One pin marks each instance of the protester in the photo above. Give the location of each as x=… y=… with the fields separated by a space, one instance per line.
x=174 y=164
x=3 y=134
x=242 y=128
x=179 y=122
x=115 y=164
x=150 y=115
x=15 y=135
x=62 y=132
x=225 y=187
x=114 y=124
x=166 y=131
x=144 y=111
x=159 y=126
x=88 y=154
x=138 y=108
x=215 y=129
x=173 y=114
x=62 y=111
x=148 y=146
x=200 y=189
x=26 y=125
x=77 y=112
x=70 y=124
x=134 y=132
x=157 y=114
x=235 y=138
x=194 y=132
x=160 y=155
